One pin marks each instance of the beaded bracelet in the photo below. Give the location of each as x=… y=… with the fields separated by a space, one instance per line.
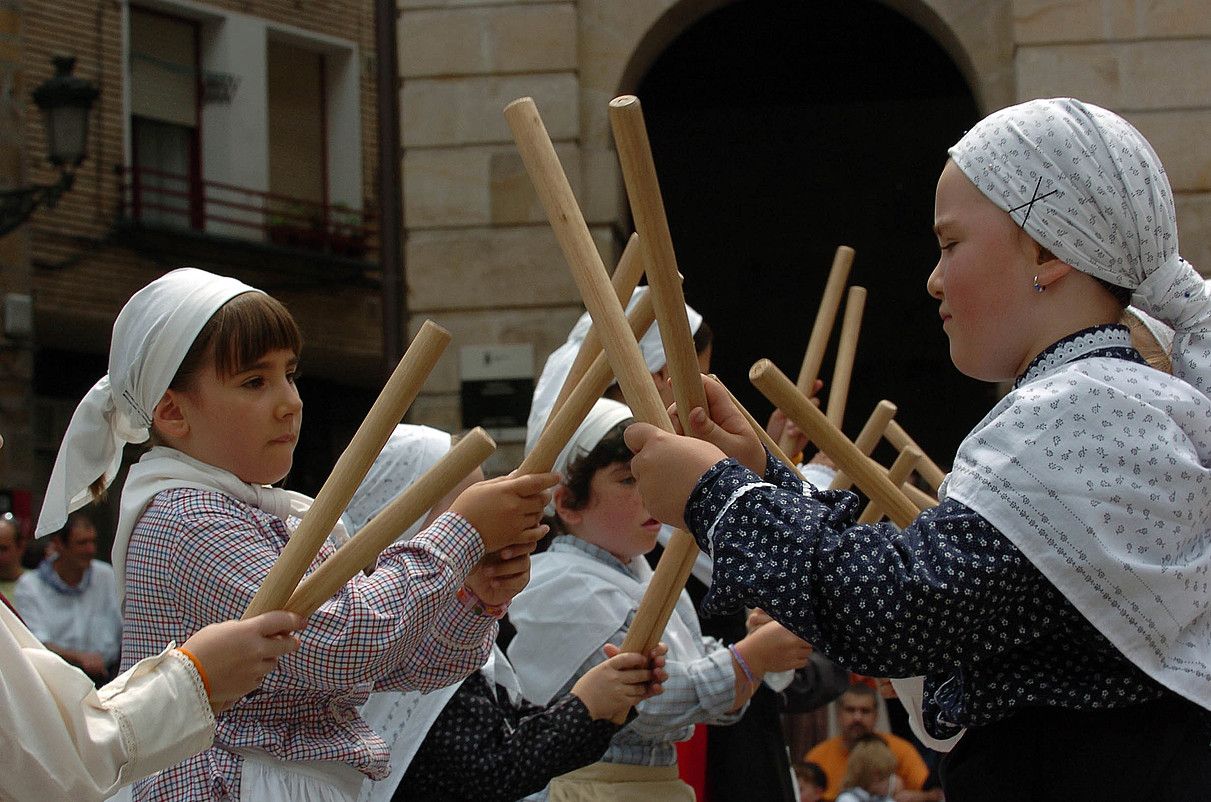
x=744 y=666
x=478 y=606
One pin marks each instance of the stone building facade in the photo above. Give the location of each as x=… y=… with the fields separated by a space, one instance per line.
x=479 y=257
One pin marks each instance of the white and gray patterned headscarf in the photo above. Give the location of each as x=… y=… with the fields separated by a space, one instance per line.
x=1085 y=184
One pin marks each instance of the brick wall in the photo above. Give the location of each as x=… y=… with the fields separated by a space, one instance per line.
x=80 y=279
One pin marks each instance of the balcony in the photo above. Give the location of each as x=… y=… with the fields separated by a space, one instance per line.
x=181 y=219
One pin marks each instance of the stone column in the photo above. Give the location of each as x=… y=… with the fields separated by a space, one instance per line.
x=480 y=257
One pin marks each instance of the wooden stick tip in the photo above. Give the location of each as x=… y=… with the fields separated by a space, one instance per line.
x=520 y=103
x=429 y=327
x=623 y=101
x=759 y=369
x=887 y=406
x=845 y=249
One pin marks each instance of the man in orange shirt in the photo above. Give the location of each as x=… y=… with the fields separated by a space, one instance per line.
x=856 y=717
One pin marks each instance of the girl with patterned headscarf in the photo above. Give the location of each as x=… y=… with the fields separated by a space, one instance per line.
x=1062 y=588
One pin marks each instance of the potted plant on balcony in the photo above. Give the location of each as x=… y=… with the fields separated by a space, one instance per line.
x=296 y=225
x=348 y=232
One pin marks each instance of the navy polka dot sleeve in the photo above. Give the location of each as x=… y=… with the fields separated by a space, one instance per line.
x=949 y=597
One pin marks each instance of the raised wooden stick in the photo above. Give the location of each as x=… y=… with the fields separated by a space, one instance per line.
x=564 y=421
x=398 y=394
x=763 y=435
x=383 y=529
x=822 y=329
x=625 y=279
x=621 y=347
x=919 y=497
x=929 y=470
x=847 y=348
x=766 y=377
x=898 y=473
x=867 y=439
x=647 y=206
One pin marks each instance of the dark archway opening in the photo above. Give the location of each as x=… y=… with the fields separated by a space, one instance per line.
x=781 y=130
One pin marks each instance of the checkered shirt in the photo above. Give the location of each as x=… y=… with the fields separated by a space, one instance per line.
x=198 y=556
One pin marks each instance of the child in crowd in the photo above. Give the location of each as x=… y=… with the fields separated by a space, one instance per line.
x=207 y=366
x=1060 y=588
x=869 y=771
x=478 y=739
x=583 y=594
x=811 y=781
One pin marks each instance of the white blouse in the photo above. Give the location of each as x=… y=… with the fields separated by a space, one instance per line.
x=67 y=740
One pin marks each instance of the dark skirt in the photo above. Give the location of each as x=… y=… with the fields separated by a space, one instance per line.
x=1160 y=750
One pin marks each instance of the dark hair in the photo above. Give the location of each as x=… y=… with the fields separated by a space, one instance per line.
x=812 y=773
x=610 y=450
x=1122 y=295
x=862 y=689
x=73 y=520
x=242 y=331
x=703 y=338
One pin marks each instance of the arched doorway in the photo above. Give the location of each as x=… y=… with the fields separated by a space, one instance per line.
x=781 y=130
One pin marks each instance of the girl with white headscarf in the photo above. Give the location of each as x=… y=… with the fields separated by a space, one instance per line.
x=209 y=363
x=1055 y=609
x=479 y=739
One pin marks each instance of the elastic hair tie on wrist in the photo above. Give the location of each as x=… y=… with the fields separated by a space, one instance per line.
x=197 y=664
x=744 y=666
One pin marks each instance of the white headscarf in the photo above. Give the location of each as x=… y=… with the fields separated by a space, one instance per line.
x=604 y=416
x=1087 y=186
x=410 y=451
x=1099 y=469
x=151 y=336
x=559 y=363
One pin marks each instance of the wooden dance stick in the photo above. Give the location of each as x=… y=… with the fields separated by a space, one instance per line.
x=762 y=435
x=596 y=380
x=773 y=383
x=929 y=470
x=847 y=348
x=388 y=410
x=625 y=279
x=868 y=438
x=919 y=497
x=647 y=206
x=898 y=473
x=822 y=329
x=384 y=528
x=622 y=350
x=643 y=190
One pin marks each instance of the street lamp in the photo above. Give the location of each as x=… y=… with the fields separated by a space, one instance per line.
x=65 y=101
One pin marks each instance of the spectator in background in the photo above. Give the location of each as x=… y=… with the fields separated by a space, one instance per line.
x=11 y=546
x=70 y=602
x=856 y=711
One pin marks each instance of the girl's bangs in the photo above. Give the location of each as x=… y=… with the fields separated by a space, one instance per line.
x=249 y=326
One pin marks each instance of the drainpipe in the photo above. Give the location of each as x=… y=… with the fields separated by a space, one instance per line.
x=391 y=212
